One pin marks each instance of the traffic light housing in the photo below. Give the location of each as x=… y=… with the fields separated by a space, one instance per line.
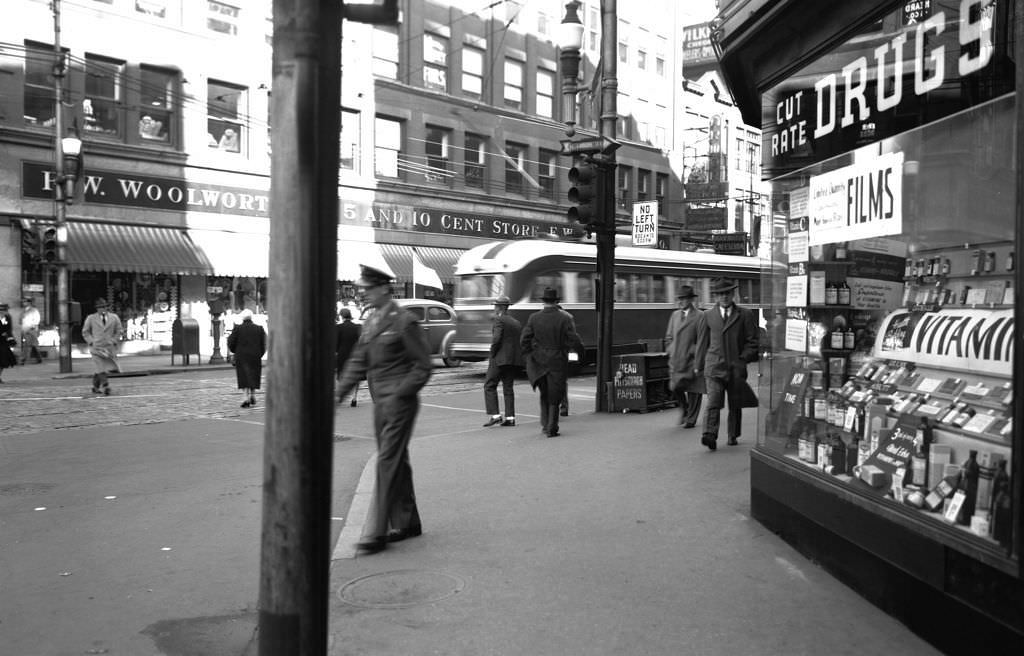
x=30 y=243
x=49 y=244
x=586 y=192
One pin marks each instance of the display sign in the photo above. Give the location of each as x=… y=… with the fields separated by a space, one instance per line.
x=796 y=291
x=893 y=453
x=645 y=223
x=870 y=294
x=796 y=334
x=797 y=246
x=858 y=201
x=950 y=339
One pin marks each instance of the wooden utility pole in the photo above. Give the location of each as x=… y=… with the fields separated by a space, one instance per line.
x=298 y=441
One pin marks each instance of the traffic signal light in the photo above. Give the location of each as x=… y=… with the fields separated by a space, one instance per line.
x=49 y=244
x=585 y=193
x=30 y=243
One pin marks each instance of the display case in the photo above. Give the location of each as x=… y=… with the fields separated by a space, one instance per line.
x=887 y=449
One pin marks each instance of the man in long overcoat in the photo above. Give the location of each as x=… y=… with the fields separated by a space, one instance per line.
x=685 y=380
x=345 y=338
x=393 y=355
x=102 y=330
x=505 y=362
x=248 y=343
x=727 y=341
x=548 y=337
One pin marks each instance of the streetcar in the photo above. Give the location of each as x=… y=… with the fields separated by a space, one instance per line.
x=646 y=282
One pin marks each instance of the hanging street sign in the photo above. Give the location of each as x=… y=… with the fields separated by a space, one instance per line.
x=603 y=145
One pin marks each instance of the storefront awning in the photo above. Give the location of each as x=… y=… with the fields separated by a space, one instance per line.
x=234 y=253
x=140 y=249
x=441 y=260
x=353 y=253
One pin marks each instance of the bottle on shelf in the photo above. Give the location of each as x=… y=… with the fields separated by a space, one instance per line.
x=908 y=270
x=969 y=485
x=831 y=294
x=844 y=293
x=976 y=263
x=922 y=445
x=836 y=338
x=942 y=490
x=945 y=266
x=1009 y=261
x=963 y=416
x=841 y=250
x=849 y=339
x=1000 y=513
x=957 y=407
x=990 y=261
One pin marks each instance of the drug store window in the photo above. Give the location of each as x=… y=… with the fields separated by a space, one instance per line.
x=892 y=323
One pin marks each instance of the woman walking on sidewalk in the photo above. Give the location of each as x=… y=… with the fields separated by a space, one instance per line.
x=7 y=357
x=248 y=343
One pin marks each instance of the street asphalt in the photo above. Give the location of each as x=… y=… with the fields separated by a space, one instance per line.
x=621 y=536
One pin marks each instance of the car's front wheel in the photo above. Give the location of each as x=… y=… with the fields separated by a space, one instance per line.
x=446 y=347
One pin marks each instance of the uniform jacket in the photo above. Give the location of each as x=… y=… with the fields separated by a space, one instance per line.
x=505 y=347
x=100 y=334
x=681 y=344
x=346 y=337
x=392 y=354
x=548 y=337
x=248 y=339
x=726 y=347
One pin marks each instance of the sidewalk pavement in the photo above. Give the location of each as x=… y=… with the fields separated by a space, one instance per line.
x=622 y=536
x=131 y=365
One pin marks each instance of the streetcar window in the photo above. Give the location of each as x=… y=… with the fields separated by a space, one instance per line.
x=658 y=293
x=622 y=289
x=552 y=280
x=481 y=286
x=584 y=287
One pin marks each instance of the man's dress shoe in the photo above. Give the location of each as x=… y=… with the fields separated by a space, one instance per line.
x=371 y=545
x=399 y=534
x=709 y=442
x=733 y=441
x=492 y=421
x=509 y=422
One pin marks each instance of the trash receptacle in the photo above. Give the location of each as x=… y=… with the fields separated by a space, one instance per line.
x=184 y=339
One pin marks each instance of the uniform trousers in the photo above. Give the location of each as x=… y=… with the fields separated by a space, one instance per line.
x=394 y=499
x=550 y=398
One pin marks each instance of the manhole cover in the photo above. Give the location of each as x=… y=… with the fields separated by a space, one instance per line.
x=400 y=588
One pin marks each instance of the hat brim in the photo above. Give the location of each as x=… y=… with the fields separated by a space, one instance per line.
x=723 y=290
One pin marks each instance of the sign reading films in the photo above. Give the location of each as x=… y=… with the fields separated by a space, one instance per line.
x=822 y=111
x=858 y=201
x=153 y=193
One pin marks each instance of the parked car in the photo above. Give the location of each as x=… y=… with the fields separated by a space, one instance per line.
x=437 y=321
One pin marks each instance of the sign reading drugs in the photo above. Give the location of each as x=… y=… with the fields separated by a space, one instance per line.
x=645 y=223
x=858 y=201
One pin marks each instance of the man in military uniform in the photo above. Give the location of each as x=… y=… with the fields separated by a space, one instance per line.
x=548 y=337
x=393 y=355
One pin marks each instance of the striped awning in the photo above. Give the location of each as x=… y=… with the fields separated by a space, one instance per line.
x=441 y=260
x=140 y=249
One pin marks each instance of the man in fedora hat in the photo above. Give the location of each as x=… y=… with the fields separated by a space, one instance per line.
x=393 y=355
x=505 y=362
x=685 y=380
x=548 y=337
x=727 y=341
x=101 y=330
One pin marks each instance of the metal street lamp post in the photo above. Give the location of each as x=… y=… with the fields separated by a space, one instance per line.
x=68 y=164
x=571 y=39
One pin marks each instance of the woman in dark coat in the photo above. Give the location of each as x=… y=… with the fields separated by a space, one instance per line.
x=248 y=343
x=7 y=357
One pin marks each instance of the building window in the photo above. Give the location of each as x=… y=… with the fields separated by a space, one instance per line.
x=643 y=185
x=387 y=143
x=543 y=23
x=39 y=104
x=624 y=175
x=435 y=62
x=154 y=8
x=660 y=191
x=641 y=59
x=385 y=51
x=475 y=162
x=226 y=104
x=515 y=166
x=545 y=93
x=659 y=136
x=222 y=18
x=438 y=155
x=156 y=95
x=348 y=145
x=594 y=29
x=659 y=57
x=547 y=173
x=513 y=84
x=104 y=92
x=473 y=72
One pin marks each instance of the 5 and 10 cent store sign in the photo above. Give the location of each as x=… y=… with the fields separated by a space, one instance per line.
x=155 y=193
